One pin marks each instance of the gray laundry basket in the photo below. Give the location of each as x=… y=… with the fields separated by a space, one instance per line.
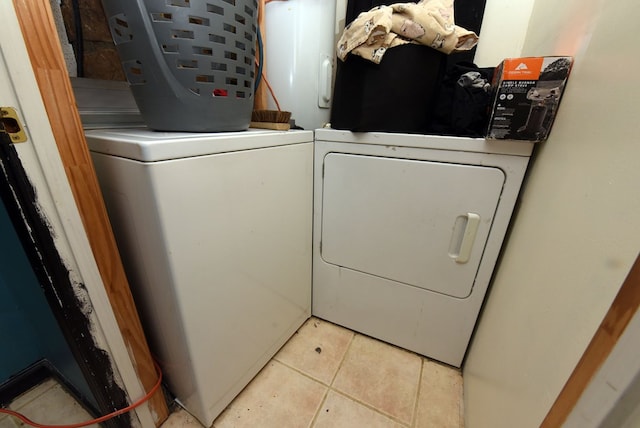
x=190 y=63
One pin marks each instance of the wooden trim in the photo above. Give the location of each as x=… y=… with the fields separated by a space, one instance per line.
x=40 y=35
x=622 y=309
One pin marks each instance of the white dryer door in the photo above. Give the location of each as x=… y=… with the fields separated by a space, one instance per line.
x=421 y=223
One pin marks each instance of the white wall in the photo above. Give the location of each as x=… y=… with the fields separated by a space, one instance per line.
x=577 y=232
x=504 y=28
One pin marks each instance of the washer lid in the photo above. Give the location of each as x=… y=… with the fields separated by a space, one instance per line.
x=149 y=146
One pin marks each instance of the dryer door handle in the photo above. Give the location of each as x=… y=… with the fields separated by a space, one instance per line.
x=464 y=235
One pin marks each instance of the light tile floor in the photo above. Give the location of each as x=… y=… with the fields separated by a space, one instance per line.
x=47 y=403
x=329 y=377
x=324 y=377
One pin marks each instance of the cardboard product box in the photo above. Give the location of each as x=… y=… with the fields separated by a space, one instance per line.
x=526 y=96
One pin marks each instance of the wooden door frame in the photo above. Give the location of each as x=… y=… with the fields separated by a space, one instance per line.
x=620 y=313
x=43 y=47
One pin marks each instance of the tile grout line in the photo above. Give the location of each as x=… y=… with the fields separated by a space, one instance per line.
x=307 y=375
x=328 y=386
x=370 y=407
x=354 y=399
x=461 y=406
x=412 y=424
x=422 y=362
x=315 y=416
x=414 y=418
x=344 y=357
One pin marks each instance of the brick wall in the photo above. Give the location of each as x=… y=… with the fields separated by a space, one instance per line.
x=100 y=58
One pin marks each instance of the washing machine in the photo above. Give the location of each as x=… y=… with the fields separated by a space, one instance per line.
x=214 y=231
x=407 y=231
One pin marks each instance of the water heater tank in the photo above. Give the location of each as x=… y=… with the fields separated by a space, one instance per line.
x=300 y=53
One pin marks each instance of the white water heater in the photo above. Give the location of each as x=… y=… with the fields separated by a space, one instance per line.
x=300 y=54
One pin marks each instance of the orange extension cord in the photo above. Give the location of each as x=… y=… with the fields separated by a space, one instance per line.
x=94 y=421
x=263 y=76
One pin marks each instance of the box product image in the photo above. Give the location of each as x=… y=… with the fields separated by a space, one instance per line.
x=527 y=93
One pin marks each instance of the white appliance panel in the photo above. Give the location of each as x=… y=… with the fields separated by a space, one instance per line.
x=299 y=58
x=405 y=220
x=149 y=146
x=383 y=192
x=459 y=145
x=217 y=249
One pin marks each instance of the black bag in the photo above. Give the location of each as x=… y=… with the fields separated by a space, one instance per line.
x=397 y=95
x=403 y=92
x=462 y=111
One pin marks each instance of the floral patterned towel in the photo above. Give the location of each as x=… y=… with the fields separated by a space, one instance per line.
x=428 y=22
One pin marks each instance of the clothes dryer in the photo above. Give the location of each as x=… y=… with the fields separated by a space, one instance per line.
x=407 y=231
